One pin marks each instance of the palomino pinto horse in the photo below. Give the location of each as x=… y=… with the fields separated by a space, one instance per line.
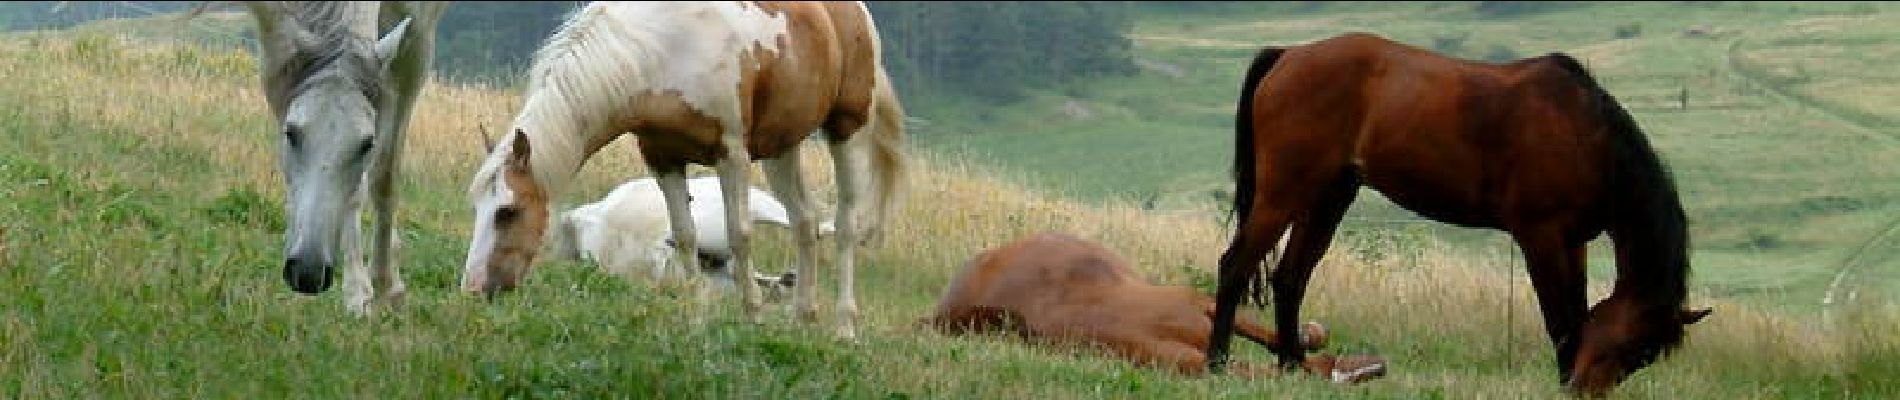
x=1535 y=148
x=720 y=83
x=342 y=98
x=1066 y=290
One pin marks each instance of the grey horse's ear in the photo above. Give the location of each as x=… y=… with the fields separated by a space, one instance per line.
x=391 y=42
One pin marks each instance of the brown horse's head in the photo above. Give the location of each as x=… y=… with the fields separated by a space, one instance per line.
x=1621 y=337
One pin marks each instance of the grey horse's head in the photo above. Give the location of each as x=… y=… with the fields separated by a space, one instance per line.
x=324 y=74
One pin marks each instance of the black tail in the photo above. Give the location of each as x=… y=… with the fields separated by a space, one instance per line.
x=1243 y=152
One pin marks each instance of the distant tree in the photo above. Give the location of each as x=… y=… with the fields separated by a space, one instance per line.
x=34 y=15
x=997 y=50
x=494 y=40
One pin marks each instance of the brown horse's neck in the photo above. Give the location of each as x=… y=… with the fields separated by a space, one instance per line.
x=1652 y=256
x=1648 y=226
x=1647 y=223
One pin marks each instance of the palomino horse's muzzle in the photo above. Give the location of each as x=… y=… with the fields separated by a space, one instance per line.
x=307 y=275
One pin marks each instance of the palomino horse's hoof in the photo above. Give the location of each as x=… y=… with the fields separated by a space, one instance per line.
x=1346 y=369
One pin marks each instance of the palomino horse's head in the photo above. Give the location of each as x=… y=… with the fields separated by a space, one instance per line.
x=325 y=82
x=511 y=215
x=1621 y=337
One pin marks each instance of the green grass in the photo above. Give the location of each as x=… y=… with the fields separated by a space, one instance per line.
x=139 y=238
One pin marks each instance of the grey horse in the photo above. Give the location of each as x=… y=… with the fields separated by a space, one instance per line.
x=342 y=95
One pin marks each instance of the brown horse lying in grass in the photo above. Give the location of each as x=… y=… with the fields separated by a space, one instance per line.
x=1072 y=291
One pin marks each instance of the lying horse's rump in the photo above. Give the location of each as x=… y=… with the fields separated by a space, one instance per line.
x=1068 y=290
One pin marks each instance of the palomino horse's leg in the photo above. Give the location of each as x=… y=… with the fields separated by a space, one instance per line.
x=788 y=182
x=1557 y=272
x=1303 y=253
x=680 y=216
x=848 y=161
x=735 y=186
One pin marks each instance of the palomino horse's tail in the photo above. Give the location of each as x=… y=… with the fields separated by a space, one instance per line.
x=1244 y=167
x=887 y=159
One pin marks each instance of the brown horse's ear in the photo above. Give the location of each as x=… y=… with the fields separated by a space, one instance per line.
x=519 y=156
x=1694 y=315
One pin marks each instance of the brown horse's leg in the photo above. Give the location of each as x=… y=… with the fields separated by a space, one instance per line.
x=1557 y=272
x=1313 y=234
x=1254 y=238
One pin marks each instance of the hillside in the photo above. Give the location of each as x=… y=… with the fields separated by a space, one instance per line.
x=139 y=242
x=1783 y=154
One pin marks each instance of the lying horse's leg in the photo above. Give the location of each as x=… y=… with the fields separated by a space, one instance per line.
x=788 y=182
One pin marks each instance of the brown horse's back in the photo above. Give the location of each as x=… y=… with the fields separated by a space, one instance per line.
x=1425 y=129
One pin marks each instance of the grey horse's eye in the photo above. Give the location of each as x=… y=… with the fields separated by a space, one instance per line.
x=363 y=149
x=292 y=134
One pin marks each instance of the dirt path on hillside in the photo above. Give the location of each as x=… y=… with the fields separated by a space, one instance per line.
x=1839 y=289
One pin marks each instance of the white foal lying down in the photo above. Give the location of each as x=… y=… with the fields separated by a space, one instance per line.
x=628 y=229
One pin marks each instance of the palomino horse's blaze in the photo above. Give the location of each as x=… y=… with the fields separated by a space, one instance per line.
x=1534 y=148
x=718 y=83
x=342 y=99
x=1067 y=290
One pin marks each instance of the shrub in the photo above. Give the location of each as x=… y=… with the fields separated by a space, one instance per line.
x=1629 y=30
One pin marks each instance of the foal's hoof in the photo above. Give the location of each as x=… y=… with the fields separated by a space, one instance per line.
x=1346 y=369
x=1312 y=336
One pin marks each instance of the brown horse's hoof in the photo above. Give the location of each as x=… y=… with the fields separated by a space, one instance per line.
x=1346 y=369
x=1312 y=336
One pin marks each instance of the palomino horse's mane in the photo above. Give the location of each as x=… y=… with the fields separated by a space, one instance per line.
x=567 y=75
x=337 y=44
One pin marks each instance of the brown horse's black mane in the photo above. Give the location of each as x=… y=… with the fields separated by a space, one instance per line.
x=1644 y=209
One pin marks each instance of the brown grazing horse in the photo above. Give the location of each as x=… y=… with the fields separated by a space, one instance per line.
x=1534 y=148
x=1072 y=291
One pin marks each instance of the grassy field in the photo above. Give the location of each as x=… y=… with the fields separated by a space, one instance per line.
x=140 y=226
